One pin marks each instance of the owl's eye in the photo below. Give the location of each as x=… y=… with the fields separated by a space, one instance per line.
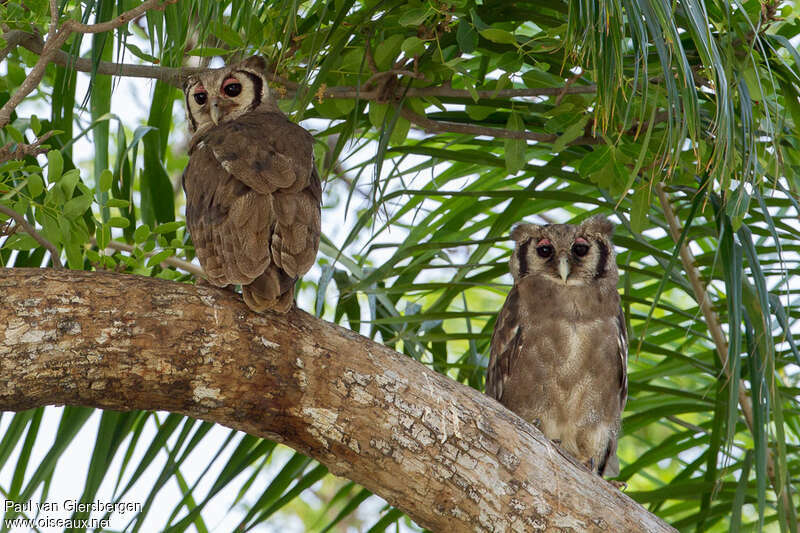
x=232 y=87
x=580 y=248
x=200 y=97
x=544 y=250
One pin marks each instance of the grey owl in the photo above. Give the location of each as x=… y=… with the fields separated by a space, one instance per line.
x=559 y=349
x=252 y=191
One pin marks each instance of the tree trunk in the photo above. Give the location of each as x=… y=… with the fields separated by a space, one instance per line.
x=450 y=457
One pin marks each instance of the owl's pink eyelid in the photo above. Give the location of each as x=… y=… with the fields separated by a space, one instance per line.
x=581 y=240
x=544 y=242
x=229 y=81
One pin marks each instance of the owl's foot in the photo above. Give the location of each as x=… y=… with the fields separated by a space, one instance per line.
x=621 y=485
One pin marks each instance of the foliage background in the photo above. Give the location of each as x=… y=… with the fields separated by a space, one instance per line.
x=440 y=124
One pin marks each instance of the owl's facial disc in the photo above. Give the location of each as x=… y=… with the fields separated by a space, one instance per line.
x=231 y=87
x=226 y=100
x=200 y=95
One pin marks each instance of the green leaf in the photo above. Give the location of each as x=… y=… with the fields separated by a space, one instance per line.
x=499 y=36
x=116 y=202
x=20 y=241
x=15 y=134
x=106 y=177
x=135 y=50
x=35 y=185
x=640 y=205
x=387 y=50
x=157 y=258
x=413 y=46
x=55 y=166
x=77 y=206
x=514 y=149
x=141 y=234
x=466 y=37
x=377 y=113
x=36 y=125
x=168 y=227
x=68 y=181
x=594 y=160
x=227 y=34
x=572 y=132
x=74 y=255
x=535 y=78
x=413 y=17
x=119 y=222
x=103 y=236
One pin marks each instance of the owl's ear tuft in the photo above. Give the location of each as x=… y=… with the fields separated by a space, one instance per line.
x=256 y=63
x=523 y=232
x=188 y=81
x=598 y=224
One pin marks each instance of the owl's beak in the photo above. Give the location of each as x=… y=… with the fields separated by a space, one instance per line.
x=563 y=267
x=216 y=112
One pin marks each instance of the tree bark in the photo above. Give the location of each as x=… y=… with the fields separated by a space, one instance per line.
x=450 y=457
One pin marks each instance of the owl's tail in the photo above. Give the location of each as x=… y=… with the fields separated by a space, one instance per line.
x=273 y=290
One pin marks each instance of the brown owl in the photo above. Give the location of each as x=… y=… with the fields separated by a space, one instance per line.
x=559 y=348
x=252 y=191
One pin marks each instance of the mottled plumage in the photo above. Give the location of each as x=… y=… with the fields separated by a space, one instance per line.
x=252 y=190
x=559 y=349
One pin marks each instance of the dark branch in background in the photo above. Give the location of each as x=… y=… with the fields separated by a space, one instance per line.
x=435 y=126
x=23 y=150
x=174 y=76
x=30 y=230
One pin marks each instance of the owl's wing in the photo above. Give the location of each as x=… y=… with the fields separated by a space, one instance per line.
x=610 y=465
x=253 y=206
x=505 y=346
x=622 y=350
x=265 y=151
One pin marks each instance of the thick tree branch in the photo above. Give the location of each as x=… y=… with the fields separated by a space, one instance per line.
x=452 y=458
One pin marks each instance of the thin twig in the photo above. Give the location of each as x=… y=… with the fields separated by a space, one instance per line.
x=23 y=150
x=186 y=266
x=570 y=81
x=393 y=72
x=30 y=230
x=435 y=126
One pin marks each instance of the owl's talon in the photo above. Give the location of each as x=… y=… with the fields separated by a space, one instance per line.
x=621 y=485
